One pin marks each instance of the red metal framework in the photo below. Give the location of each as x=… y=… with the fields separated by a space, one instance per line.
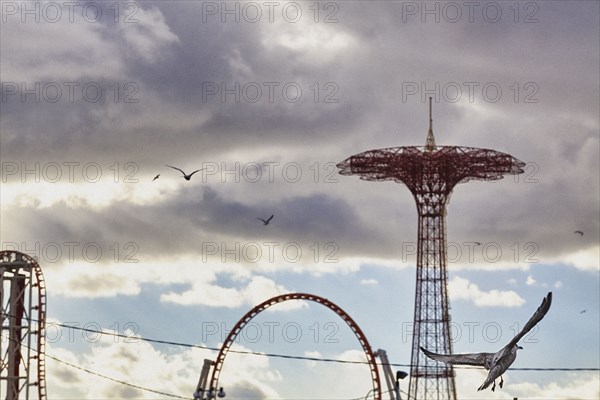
x=23 y=326
x=430 y=172
x=297 y=296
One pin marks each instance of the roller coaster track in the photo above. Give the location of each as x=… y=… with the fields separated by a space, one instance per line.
x=218 y=366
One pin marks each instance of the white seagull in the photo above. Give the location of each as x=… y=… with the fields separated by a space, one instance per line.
x=265 y=221
x=496 y=363
x=186 y=176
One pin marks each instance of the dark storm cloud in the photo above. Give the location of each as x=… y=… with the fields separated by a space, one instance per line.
x=181 y=78
x=388 y=51
x=370 y=80
x=182 y=224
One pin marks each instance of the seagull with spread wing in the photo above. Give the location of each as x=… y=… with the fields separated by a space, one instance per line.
x=186 y=176
x=496 y=363
x=265 y=221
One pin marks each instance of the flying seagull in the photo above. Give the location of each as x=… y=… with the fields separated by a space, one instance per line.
x=155 y=178
x=583 y=311
x=580 y=233
x=186 y=176
x=265 y=221
x=496 y=363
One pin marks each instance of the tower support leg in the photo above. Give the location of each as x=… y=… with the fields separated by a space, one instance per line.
x=430 y=379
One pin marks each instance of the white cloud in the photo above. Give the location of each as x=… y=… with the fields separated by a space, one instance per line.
x=530 y=281
x=93 y=195
x=106 y=279
x=261 y=289
x=352 y=376
x=469 y=379
x=558 y=284
x=91 y=280
x=206 y=294
x=370 y=281
x=136 y=363
x=462 y=289
x=585 y=259
x=313 y=354
x=573 y=386
x=199 y=279
x=257 y=290
x=141 y=364
x=242 y=369
x=577 y=386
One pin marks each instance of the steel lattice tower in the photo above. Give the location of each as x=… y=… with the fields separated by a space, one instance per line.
x=430 y=172
x=22 y=327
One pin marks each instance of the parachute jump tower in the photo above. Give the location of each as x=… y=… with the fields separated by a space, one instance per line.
x=430 y=172
x=22 y=327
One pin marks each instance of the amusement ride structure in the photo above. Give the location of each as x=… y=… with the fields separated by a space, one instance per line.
x=204 y=392
x=430 y=172
x=23 y=327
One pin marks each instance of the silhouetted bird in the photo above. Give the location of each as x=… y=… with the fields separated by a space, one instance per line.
x=155 y=178
x=580 y=233
x=265 y=222
x=496 y=363
x=477 y=243
x=582 y=311
x=186 y=176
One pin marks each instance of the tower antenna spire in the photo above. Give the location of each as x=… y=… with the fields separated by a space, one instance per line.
x=430 y=117
x=430 y=142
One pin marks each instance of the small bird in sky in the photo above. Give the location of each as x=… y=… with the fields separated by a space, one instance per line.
x=265 y=221
x=186 y=176
x=477 y=243
x=580 y=233
x=155 y=178
x=496 y=363
x=582 y=311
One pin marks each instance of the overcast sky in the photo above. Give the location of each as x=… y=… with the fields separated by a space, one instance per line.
x=267 y=97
